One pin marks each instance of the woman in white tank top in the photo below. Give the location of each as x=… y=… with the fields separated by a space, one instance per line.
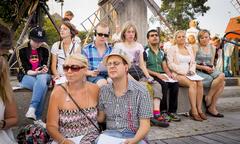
x=182 y=62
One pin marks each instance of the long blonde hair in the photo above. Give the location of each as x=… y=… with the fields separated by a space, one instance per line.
x=5 y=86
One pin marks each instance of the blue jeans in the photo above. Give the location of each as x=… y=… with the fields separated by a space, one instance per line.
x=101 y=75
x=39 y=86
x=125 y=134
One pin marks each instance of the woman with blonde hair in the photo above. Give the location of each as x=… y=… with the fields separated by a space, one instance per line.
x=72 y=111
x=213 y=79
x=8 y=109
x=181 y=61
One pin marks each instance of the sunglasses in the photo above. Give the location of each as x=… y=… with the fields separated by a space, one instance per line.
x=101 y=35
x=74 y=68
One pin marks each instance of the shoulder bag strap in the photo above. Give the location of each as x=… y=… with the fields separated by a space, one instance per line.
x=80 y=108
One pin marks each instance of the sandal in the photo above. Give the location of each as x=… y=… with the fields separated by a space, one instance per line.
x=203 y=116
x=214 y=115
x=195 y=117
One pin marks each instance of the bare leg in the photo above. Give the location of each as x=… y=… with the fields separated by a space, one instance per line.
x=156 y=104
x=199 y=96
x=192 y=85
x=218 y=90
x=101 y=82
x=214 y=89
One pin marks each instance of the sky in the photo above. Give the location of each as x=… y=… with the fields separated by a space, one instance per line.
x=215 y=20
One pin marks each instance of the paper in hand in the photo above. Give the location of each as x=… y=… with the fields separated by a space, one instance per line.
x=102 y=67
x=61 y=80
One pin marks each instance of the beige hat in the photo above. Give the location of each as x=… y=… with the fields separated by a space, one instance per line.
x=118 y=52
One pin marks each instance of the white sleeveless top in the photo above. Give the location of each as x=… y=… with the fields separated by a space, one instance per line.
x=184 y=61
x=6 y=136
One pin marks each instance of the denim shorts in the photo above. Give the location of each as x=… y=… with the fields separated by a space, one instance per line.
x=208 y=78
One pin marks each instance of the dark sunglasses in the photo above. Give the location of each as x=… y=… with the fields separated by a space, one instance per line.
x=101 y=35
x=74 y=68
x=152 y=35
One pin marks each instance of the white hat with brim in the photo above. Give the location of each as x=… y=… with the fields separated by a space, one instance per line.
x=118 y=52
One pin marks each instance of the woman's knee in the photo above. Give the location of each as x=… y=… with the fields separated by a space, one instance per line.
x=43 y=78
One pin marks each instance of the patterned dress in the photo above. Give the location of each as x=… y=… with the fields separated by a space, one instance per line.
x=73 y=123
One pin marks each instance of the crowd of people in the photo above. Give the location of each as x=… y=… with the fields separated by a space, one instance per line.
x=127 y=86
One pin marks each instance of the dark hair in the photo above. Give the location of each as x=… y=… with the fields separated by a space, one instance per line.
x=5 y=38
x=152 y=30
x=72 y=28
x=70 y=13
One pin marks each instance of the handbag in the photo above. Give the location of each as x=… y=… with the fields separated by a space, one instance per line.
x=204 y=71
x=136 y=72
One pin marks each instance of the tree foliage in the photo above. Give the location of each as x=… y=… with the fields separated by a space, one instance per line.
x=179 y=12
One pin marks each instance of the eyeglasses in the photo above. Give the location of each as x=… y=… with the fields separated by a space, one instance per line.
x=74 y=68
x=152 y=35
x=101 y=35
x=115 y=64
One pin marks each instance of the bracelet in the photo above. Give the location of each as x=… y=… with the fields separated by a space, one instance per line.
x=4 y=124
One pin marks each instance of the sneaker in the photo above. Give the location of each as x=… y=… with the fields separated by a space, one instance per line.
x=174 y=117
x=166 y=116
x=159 y=122
x=40 y=122
x=31 y=113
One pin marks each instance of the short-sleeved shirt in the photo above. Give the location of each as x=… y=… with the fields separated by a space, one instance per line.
x=125 y=112
x=133 y=53
x=154 y=61
x=94 y=59
x=61 y=54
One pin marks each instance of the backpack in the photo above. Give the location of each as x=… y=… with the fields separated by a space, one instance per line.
x=33 y=134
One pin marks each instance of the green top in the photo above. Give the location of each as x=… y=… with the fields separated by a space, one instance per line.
x=154 y=61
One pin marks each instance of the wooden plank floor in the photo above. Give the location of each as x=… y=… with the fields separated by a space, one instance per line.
x=225 y=137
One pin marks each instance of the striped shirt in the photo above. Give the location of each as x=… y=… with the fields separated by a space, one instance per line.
x=125 y=112
x=91 y=52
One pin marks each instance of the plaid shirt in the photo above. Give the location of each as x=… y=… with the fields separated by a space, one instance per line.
x=125 y=112
x=91 y=52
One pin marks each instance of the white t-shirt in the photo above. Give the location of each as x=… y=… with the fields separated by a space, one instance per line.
x=133 y=52
x=61 y=55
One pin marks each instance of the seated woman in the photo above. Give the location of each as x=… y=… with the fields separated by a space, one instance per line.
x=8 y=109
x=34 y=60
x=138 y=69
x=181 y=61
x=61 y=49
x=213 y=79
x=65 y=120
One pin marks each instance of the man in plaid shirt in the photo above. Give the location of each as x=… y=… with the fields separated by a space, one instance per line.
x=124 y=104
x=95 y=52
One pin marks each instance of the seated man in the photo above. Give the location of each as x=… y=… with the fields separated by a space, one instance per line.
x=95 y=52
x=157 y=66
x=34 y=59
x=124 y=104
